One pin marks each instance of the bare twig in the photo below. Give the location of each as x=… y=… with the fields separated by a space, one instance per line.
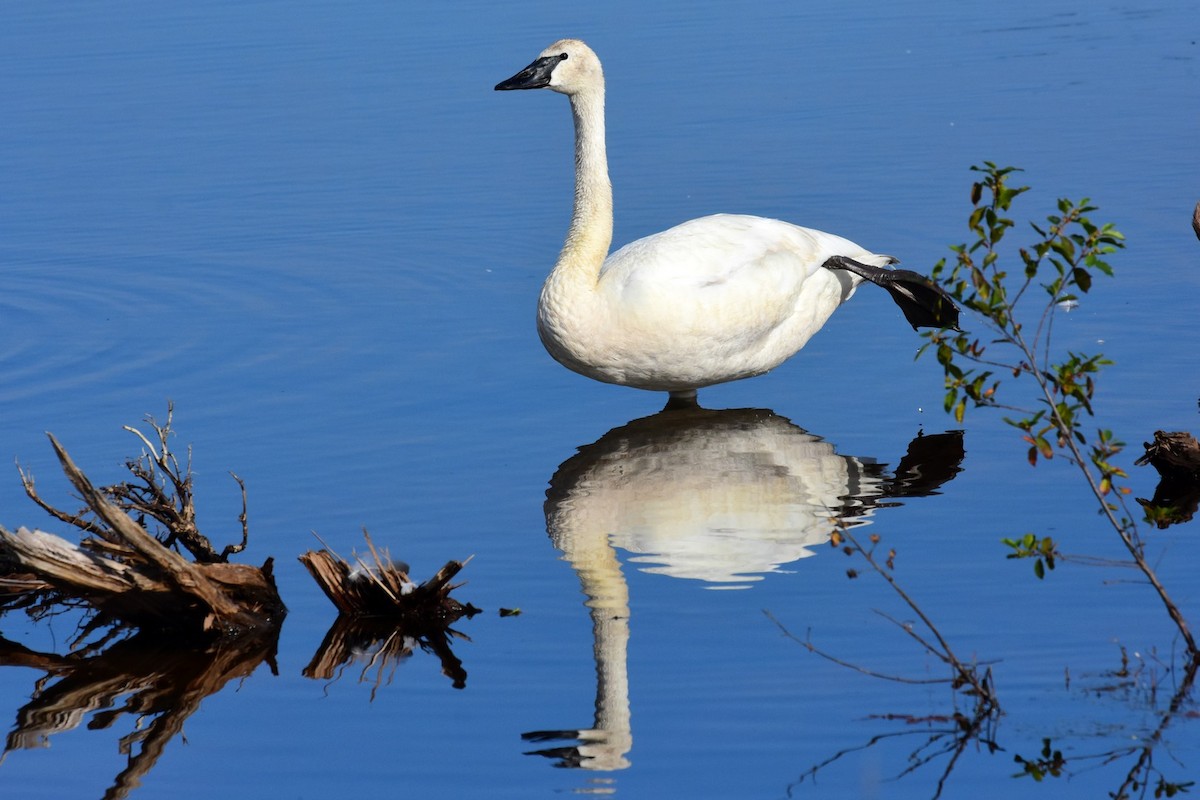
x=231 y=549
x=75 y=520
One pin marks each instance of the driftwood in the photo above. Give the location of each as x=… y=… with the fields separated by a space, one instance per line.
x=124 y=571
x=382 y=588
x=158 y=685
x=1176 y=456
x=384 y=616
x=168 y=620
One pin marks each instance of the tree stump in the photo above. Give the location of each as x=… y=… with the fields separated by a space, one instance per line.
x=1176 y=499
x=1175 y=454
x=382 y=588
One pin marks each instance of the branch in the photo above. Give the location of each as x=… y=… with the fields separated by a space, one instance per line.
x=183 y=575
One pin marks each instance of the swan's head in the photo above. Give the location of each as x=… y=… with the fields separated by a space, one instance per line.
x=568 y=66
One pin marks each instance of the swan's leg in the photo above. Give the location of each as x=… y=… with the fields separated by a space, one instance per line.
x=924 y=303
x=681 y=400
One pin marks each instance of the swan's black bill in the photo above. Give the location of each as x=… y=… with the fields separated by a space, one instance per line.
x=924 y=303
x=535 y=76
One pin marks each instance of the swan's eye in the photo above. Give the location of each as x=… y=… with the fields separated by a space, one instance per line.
x=562 y=57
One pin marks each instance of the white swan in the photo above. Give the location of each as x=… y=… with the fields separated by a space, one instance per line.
x=712 y=300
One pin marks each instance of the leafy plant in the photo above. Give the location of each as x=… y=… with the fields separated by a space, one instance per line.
x=1002 y=290
x=1043 y=550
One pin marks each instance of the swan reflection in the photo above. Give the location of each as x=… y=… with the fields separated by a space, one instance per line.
x=724 y=497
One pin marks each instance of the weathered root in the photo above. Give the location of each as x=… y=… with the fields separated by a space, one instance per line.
x=1176 y=456
x=1173 y=454
x=127 y=573
x=161 y=496
x=382 y=587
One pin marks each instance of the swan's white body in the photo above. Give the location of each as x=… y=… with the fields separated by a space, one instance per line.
x=715 y=299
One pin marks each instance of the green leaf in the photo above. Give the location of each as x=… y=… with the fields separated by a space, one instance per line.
x=1066 y=248
x=973 y=220
x=1083 y=278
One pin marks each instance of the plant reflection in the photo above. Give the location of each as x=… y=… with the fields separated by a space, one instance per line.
x=157 y=681
x=725 y=497
x=938 y=736
x=1143 y=776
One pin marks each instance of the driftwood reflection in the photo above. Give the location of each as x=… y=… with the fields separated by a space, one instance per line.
x=380 y=645
x=724 y=497
x=1175 y=501
x=156 y=681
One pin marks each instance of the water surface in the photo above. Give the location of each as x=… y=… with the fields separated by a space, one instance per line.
x=318 y=231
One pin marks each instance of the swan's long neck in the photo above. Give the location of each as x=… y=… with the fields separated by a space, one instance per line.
x=590 y=234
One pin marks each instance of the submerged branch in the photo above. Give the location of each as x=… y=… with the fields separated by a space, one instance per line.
x=951 y=742
x=965 y=674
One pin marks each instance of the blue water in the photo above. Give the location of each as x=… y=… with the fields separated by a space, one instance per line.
x=318 y=231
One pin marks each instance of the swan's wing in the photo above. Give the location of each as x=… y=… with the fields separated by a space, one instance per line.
x=725 y=249
x=714 y=270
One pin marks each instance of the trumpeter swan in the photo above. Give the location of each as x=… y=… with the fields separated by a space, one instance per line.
x=712 y=300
